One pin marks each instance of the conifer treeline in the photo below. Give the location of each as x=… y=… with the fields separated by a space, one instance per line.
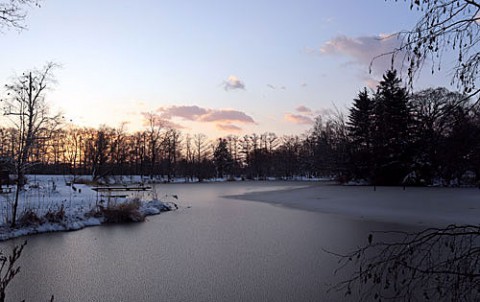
x=388 y=137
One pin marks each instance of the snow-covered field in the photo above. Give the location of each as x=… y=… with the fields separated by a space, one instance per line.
x=47 y=194
x=413 y=206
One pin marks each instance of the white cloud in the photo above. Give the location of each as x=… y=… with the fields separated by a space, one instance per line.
x=232 y=83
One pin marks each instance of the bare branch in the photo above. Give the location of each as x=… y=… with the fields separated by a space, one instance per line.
x=436 y=263
x=13 y=12
x=446 y=26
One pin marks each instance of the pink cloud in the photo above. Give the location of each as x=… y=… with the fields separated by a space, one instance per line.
x=298 y=119
x=227 y=116
x=224 y=119
x=191 y=113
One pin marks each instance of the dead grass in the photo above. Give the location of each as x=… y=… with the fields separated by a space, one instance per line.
x=123 y=212
x=31 y=218
x=55 y=216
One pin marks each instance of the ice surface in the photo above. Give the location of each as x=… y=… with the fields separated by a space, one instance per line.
x=413 y=206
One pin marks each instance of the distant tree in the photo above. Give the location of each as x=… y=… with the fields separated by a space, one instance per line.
x=337 y=138
x=391 y=130
x=432 y=112
x=322 y=152
x=155 y=125
x=222 y=158
x=460 y=144
x=25 y=107
x=171 y=143
x=287 y=159
x=98 y=145
x=13 y=12
x=234 y=148
x=202 y=167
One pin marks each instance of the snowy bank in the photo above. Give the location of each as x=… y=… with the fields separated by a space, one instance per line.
x=412 y=206
x=53 y=204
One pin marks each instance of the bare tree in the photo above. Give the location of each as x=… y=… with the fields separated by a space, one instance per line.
x=171 y=143
x=155 y=124
x=25 y=107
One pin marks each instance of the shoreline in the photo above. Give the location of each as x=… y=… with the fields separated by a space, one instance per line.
x=417 y=206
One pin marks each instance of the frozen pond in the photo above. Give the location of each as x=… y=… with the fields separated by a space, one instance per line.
x=219 y=249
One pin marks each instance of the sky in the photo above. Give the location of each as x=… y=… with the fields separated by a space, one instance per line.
x=212 y=67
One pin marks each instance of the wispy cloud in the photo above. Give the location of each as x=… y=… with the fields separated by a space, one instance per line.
x=224 y=119
x=233 y=83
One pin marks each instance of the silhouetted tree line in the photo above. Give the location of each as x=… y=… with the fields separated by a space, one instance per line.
x=389 y=137
x=399 y=138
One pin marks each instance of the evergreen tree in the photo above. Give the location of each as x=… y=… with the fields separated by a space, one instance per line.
x=222 y=158
x=391 y=131
x=359 y=126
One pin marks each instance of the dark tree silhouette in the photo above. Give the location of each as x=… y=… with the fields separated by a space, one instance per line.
x=391 y=130
x=432 y=117
x=222 y=158
x=360 y=127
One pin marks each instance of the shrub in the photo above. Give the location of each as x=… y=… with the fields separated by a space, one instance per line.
x=124 y=212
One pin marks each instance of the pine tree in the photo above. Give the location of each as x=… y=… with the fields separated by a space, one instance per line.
x=391 y=130
x=359 y=128
x=222 y=158
x=360 y=121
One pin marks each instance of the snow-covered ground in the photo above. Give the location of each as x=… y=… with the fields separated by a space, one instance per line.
x=412 y=206
x=46 y=194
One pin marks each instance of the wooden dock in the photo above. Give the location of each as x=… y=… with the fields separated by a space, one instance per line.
x=114 y=192
x=121 y=188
